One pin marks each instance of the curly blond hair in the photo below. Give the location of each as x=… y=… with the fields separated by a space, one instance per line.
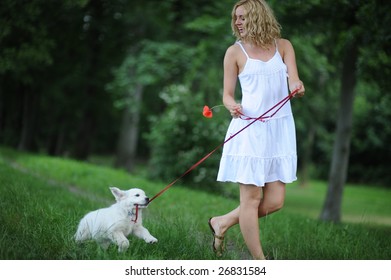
x=261 y=25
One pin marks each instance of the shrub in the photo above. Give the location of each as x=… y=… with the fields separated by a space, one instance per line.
x=181 y=136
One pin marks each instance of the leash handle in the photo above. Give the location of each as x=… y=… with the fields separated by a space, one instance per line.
x=260 y=118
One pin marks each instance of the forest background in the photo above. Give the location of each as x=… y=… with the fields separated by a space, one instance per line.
x=126 y=81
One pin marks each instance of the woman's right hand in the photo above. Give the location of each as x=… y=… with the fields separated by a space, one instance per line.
x=235 y=110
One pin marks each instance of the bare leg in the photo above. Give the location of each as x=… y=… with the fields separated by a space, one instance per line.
x=250 y=198
x=222 y=223
x=273 y=198
x=272 y=201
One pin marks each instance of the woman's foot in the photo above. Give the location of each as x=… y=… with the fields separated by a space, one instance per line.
x=218 y=238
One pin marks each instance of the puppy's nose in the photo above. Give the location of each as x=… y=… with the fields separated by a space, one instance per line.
x=147 y=199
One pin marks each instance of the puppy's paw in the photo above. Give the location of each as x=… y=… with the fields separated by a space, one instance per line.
x=123 y=246
x=150 y=240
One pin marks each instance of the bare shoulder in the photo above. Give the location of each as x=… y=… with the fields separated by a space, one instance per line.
x=235 y=57
x=285 y=47
x=284 y=44
x=233 y=50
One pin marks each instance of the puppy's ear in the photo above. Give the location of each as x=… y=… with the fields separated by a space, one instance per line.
x=118 y=194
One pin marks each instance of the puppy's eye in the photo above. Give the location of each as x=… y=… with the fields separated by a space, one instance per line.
x=137 y=195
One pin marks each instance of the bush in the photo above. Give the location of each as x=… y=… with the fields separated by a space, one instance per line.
x=182 y=136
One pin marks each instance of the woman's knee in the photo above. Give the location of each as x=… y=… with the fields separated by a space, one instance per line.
x=270 y=206
x=275 y=204
x=273 y=198
x=250 y=196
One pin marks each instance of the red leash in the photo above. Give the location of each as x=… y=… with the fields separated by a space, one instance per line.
x=135 y=214
x=263 y=117
x=260 y=118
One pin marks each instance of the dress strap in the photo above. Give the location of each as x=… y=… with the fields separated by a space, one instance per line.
x=241 y=46
x=275 y=42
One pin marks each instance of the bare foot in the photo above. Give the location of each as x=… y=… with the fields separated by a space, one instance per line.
x=218 y=237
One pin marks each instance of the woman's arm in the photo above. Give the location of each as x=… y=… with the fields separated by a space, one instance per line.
x=288 y=55
x=230 y=80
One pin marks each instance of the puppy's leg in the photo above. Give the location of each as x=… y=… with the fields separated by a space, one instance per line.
x=120 y=239
x=104 y=244
x=143 y=233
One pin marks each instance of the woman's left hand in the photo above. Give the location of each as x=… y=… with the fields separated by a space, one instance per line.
x=298 y=85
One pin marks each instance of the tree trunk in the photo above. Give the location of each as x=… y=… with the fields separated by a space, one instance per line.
x=86 y=132
x=127 y=143
x=87 y=127
x=338 y=171
x=307 y=155
x=30 y=104
x=56 y=140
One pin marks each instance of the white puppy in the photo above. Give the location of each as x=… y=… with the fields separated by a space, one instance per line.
x=115 y=223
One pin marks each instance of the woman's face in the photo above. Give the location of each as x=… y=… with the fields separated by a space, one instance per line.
x=240 y=20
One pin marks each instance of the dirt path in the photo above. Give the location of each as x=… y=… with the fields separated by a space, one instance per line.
x=71 y=188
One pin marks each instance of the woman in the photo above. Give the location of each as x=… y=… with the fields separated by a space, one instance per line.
x=262 y=158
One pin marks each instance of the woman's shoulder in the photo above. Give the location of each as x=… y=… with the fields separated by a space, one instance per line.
x=234 y=47
x=284 y=43
x=284 y=46
x=234 y=50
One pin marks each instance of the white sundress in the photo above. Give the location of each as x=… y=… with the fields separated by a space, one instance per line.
x=265 y=151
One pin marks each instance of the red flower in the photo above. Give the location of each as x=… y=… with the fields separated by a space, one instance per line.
x=207 y=112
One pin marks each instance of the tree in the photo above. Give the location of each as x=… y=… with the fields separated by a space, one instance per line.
x=25 y=47
x=332 y=206
x=155 y=63
x=102 y=50
x=54 y=63
x=356 y=26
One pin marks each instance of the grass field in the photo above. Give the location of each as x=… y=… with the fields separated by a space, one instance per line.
x=43 y=198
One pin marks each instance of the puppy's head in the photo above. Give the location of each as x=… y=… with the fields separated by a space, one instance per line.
x=130 y=198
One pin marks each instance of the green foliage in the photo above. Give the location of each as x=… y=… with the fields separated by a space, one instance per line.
x=154 y=63
x=182 y=136
x=371 y=134
x=24 y=38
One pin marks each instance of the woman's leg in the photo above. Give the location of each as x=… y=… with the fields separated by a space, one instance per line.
x=221 y=224
x=273 y=198
x=250 y=199
x=272 y=201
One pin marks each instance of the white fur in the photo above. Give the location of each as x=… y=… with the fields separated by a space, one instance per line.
x=115 y=223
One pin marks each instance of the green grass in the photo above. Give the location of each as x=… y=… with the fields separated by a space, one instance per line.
x=42 y=200
x=365 y=205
